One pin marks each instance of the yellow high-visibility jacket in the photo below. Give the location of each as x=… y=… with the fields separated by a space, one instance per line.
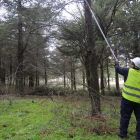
x=131 y=88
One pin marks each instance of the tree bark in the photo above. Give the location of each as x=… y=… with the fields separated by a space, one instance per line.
x=102 y=78
x=136 y=50
x=64 y=75
x=45 y=71
x=117 y=78
x=91 y=64
x=83 y=72
x=37 y=77
x=108 y=75
x=71 y=78
x=2 y=69
x=74 y=77
x=11 y=69
x=3 y=74
x=31 y=81
x=19 y=74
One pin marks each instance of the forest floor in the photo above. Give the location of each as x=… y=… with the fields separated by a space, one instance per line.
x=60 y=118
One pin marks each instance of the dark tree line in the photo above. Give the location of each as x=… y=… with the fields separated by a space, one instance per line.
x=25 y=32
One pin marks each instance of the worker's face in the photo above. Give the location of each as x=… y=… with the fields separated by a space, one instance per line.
x=131 y=65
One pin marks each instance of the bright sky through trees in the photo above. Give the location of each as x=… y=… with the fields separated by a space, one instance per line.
x=72 y=10
x=2 y=13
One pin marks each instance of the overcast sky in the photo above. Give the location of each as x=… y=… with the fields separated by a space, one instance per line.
x=70 y=10
x=2 y=12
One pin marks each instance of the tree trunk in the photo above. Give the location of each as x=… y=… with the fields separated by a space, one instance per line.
x=117 y=78
x=91 y=64
x=108 y=76
x=102 y=78
x=11 y=69
x=24 y=81
x=3 y=74
x=117 y=81
x=36 y=81
x=72 y=77
x=2 y=70
x=0 y=64
x=45 y=71
x=19 y=74
x=31 y=81
x=64 y=75
x=83 y=71
x=45 y=77
x=93 y=85
x=136 y=50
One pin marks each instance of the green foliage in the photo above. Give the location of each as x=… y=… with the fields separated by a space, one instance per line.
x=66 y=118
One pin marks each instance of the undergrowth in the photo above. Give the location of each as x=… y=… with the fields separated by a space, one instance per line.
x=60 y=118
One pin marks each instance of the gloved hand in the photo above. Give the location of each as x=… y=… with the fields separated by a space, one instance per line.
x=116 y=63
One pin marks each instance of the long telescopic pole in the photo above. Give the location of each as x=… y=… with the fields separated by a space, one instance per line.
x=101 y=30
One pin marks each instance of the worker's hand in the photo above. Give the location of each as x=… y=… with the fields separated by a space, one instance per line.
x=116 y=63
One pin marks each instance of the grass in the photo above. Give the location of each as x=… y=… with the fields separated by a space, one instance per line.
x=63 y=118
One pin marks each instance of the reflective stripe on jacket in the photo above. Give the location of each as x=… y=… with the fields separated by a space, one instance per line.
x=131 y=88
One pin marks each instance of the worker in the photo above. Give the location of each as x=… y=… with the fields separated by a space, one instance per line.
x=131 y=96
